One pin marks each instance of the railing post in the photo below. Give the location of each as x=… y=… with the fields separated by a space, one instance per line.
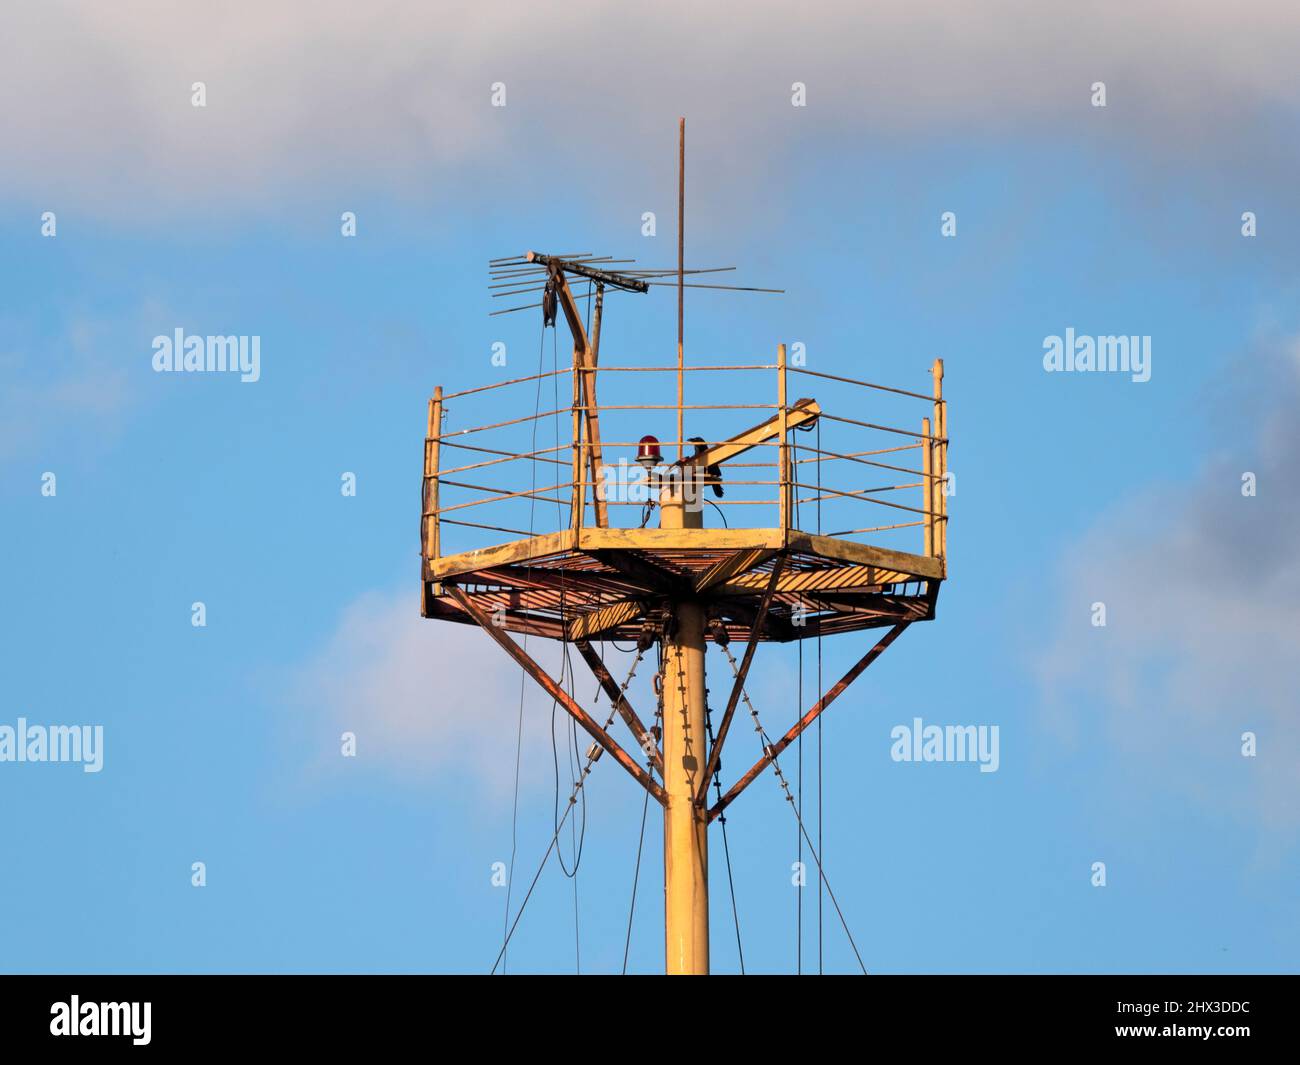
x=579 y=501
x=783 y=449
x=927 y=484
x=940 y=462
x=431 y=534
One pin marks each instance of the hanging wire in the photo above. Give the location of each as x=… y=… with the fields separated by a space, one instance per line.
x=523 y=678
x=798 y=964
x=821 y=846
x=798 y=837
x=636 y=873
x=577 y=835
x=768 y=749
x=726 y=847
x=636 y=876
x=573 y=800
x=514 y=814
x=577 y=842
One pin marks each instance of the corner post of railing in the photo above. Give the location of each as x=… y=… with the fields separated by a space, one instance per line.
x=431 y=533
x=783 y=445
x=579 y=502
x=927 y=485
x=940 y=462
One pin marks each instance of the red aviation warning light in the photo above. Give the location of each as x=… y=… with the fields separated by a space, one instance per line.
x=647 y=452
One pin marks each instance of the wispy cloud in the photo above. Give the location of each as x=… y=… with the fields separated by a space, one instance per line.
x=331 y=94
x=429 y=701
x=1201 y=586
x=61 y=387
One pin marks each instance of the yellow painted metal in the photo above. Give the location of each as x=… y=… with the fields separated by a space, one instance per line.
x=740 y=562
x=579 y=502
x=432 y=460
x=783 y=444
x=689 y=539
x=681 y=502
x=927 y=485
x=940 y=462
x=821 y=579
x=611 y=616
x=685 y=753
x=802 y=412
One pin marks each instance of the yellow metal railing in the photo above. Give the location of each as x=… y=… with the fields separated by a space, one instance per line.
x=795 y=481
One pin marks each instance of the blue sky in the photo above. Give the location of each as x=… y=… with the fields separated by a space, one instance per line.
x=1120 y=745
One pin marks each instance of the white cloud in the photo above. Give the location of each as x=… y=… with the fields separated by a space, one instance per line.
x=314 y=98
x=1202 y=592
x=432 y=701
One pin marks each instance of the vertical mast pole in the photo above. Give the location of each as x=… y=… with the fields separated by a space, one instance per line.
x=686 y=843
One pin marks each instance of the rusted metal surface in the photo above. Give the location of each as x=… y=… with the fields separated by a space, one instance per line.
x=555 y=586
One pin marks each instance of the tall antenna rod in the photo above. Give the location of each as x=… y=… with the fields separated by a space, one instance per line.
x=681 y=275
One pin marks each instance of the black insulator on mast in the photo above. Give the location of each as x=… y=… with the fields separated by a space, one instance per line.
x=548 y=303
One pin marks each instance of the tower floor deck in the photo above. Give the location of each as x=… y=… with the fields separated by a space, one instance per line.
x=600 y=583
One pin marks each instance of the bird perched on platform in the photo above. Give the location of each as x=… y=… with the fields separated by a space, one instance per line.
x=712 y=474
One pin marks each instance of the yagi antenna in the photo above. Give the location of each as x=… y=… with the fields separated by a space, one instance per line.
x=521 y=275
x=603 y=277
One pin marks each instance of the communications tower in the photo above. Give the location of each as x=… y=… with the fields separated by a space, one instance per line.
x=686 y=575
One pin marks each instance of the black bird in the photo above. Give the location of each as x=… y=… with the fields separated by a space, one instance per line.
x=712 y=474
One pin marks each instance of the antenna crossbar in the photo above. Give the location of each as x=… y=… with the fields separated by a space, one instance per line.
x=604 y=277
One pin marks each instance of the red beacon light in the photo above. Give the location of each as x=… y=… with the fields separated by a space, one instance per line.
x=647 y=452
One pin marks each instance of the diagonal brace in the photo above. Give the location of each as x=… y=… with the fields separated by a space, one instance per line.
x=557 y=693
x=584 y=357
x=737 y=562
x=643 y=737
x=715 y=755
x=774 y=750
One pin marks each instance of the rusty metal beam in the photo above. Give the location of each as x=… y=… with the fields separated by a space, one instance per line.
x=586 y=359
x=715 y=755
x=514 y=620
x=729 y=567
x=887 y=606
x=556 y=692
x=815 y=625
x=643 y=738
x=571 y=313
x=802 y=412
x=776 y=628
x=556 y=579
x=831 y=695
x=643 y=571
x=821 y=578
x=609 y=616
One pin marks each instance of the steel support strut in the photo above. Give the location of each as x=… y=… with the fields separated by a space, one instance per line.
x=556 y=692
x=773 y=752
